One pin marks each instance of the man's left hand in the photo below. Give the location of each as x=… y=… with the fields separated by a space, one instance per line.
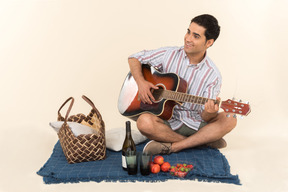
x=211 y=106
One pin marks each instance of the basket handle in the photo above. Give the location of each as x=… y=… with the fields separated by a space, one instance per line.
x=68 y=111
x=92 y=105
x=89 y=102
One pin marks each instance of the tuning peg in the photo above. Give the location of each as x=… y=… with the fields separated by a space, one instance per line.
x=241 y=117
x=235 y=116
x=240 y=101
x=228 y=115
x=233 y=98
x=247 y=102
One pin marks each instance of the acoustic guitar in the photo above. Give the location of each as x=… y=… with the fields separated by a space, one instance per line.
x=172 y=91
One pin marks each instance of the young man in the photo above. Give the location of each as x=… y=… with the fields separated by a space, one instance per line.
x=191 y=125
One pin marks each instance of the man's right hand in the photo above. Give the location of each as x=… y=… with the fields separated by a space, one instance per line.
x=144 y=91
x=144 y=87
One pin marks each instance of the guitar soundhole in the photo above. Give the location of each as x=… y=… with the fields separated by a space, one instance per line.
x=158 y=93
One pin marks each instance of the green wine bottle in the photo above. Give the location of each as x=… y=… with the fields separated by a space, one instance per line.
x=128 y=144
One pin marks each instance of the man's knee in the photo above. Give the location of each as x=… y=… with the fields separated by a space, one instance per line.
x=228 y=122
x=145 y=123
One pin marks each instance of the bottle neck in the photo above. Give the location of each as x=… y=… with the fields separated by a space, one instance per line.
x=128 y=131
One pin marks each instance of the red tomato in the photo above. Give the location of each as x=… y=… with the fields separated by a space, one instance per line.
x=159 y=160
x=165 y=167
x=155 y=168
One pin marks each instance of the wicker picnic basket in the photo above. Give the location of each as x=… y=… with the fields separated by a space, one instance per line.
x=84 y=147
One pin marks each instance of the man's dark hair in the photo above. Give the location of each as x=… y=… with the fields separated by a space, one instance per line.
x=210 y=23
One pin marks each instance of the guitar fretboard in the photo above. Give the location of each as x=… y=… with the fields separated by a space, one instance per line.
x=178 y=96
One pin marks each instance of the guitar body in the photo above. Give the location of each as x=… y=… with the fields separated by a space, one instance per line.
x=131 y=106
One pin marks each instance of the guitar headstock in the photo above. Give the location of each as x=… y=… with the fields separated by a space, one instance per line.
x=231 y=106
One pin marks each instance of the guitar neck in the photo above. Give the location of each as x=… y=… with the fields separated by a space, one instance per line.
x=228 y=106
x=183 y=97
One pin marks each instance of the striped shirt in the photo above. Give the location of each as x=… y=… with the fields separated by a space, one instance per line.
x=204 y=80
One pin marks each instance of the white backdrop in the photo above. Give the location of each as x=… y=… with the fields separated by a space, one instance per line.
x=53 y=49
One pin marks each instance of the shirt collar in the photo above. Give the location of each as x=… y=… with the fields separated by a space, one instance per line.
x=198 y=64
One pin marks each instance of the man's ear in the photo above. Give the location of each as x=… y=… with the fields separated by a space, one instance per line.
x=209 y=43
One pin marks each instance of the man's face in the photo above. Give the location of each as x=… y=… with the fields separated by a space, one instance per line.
x=195 y=40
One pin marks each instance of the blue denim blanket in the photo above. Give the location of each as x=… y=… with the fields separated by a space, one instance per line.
x=209 y=165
